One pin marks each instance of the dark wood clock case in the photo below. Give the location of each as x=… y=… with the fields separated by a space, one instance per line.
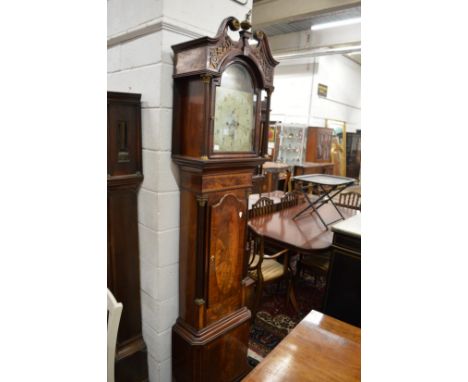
x=124 y=176
x=210 y=337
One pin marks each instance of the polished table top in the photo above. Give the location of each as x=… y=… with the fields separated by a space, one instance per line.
x=304 y=234
x=319 y=348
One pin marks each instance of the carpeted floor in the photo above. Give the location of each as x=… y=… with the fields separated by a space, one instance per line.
x=275 y=320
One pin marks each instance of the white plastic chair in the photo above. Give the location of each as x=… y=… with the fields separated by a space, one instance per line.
x=114 y=310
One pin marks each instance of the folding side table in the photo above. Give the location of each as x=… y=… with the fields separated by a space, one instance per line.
x=330 y=185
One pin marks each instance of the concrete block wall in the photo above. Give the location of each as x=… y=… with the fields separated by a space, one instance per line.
x=140 y=60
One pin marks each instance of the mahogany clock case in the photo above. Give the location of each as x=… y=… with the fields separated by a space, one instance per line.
x=124 y=176
x=210 y=337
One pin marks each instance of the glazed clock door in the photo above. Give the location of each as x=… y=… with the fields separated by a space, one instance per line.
x=226 y=254
x=234 y=116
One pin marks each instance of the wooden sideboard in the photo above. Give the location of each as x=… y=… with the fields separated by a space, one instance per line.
x=124 y=176
x=313 y=168
x=343 y=295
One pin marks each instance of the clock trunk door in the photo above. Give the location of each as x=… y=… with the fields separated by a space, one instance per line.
x=227 y=230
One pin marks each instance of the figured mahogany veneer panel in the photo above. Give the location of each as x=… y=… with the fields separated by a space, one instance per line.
x=227 y=181
x=227 y=228
x=216 y=181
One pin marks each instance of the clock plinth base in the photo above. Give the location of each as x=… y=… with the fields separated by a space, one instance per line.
x=216 y=353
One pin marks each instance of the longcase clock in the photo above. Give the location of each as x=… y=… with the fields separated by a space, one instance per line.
x=124 y=176
x=218 y=143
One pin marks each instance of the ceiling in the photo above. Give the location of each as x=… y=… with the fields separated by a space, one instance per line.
x=303 y=22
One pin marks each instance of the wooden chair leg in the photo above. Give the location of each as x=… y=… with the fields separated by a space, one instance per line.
x=258 y=297
x=299 y=266
x=291 y=295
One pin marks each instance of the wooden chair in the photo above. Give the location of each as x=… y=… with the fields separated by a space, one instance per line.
x=350 y=200
x=114 y=311
x=262 y=206
x=317 y=264
x=264 y=269
x=290 y=199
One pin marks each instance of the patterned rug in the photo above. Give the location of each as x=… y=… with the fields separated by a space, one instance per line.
x=275 y=320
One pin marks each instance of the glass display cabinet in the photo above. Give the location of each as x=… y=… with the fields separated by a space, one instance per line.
x=292 y=141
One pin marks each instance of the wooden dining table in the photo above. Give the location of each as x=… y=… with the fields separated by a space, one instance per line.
x=305 y=234
x=320 y=348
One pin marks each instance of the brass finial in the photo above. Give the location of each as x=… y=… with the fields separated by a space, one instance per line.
x=246 y=25
x=259 y=35
x=234 y=24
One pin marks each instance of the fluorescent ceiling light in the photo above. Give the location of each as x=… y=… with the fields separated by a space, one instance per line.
x=346 y=48
x=334 y=24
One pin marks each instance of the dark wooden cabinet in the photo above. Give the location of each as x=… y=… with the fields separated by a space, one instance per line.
x=124 y=176
x=353 y=155
x=218 y=143
x=318 y=144
x=343 y=295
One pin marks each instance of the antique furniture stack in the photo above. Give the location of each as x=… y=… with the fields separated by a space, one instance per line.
x=218 y=143
x=124 y=176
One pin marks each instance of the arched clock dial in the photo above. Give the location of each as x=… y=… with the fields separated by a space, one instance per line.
x=234 y=119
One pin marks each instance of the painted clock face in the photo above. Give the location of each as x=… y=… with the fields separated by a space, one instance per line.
x=234 y=120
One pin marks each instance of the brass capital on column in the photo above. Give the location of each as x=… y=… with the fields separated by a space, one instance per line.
x=206 y=78
x=199 y=301
x=202 y=199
